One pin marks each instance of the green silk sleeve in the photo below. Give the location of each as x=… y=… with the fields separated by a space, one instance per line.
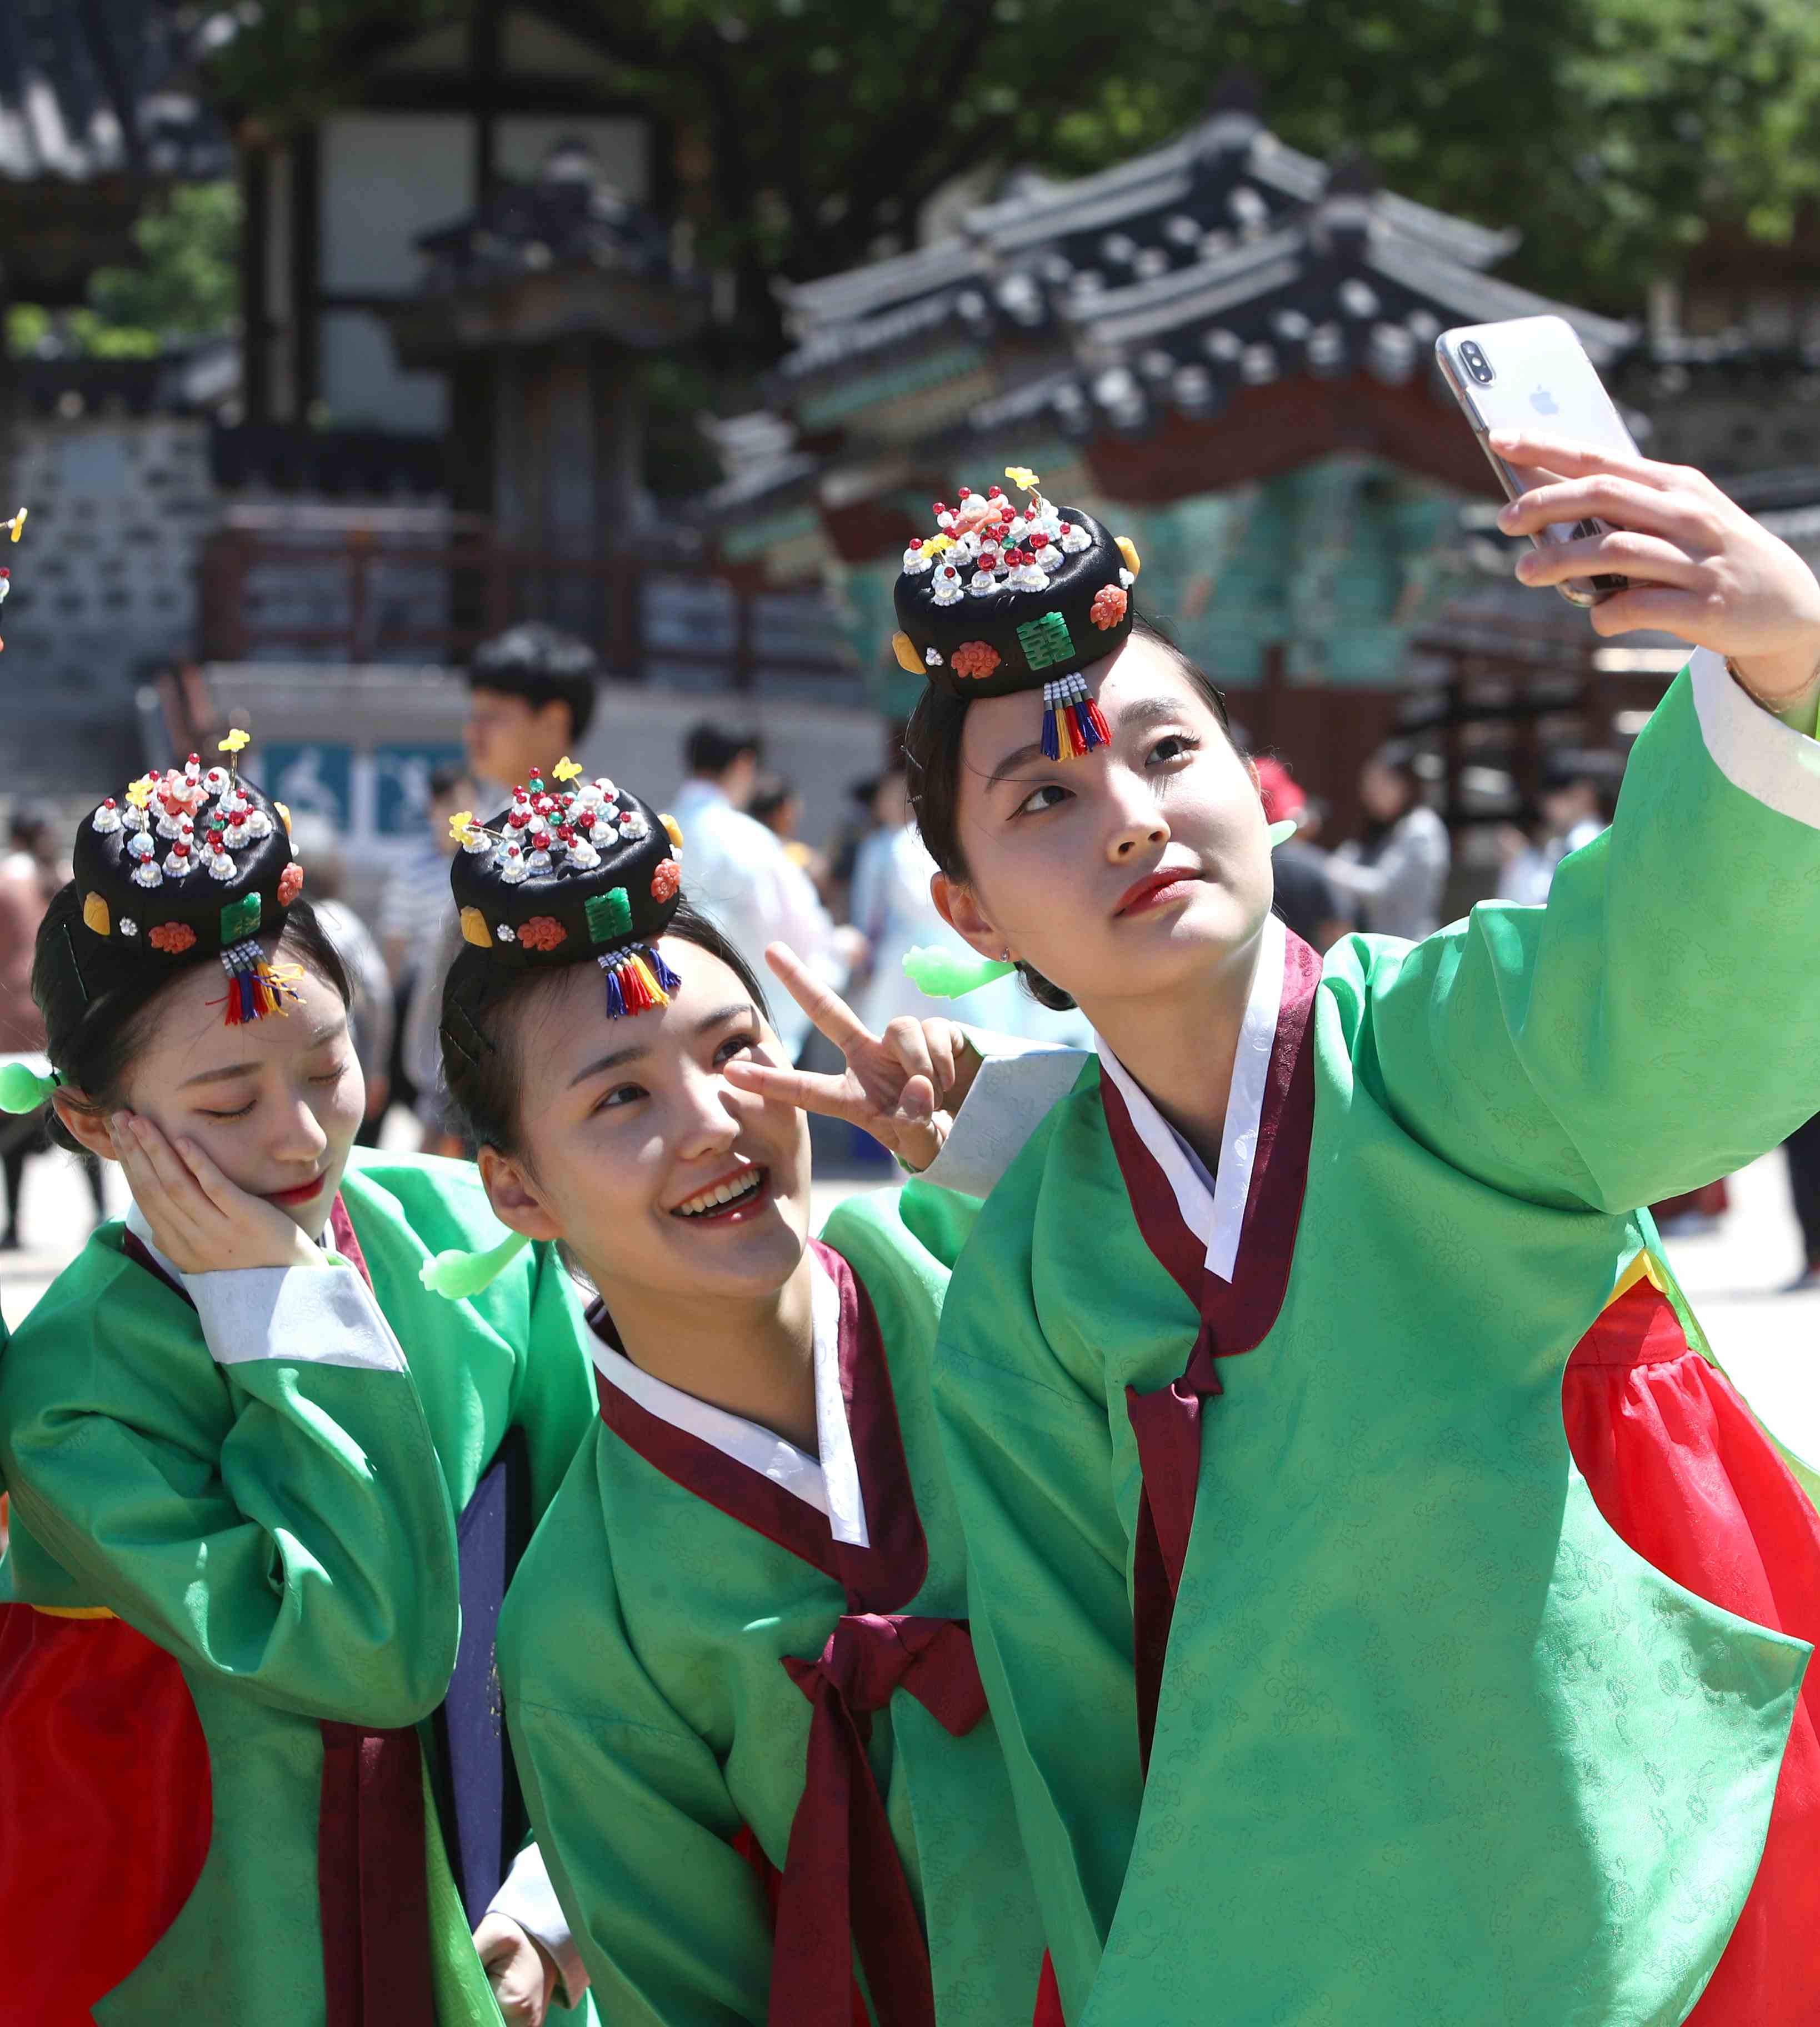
x=1029 y=1453
x=635 y=1824
x=1657 y=1025
x=554 y=1402
x=281 y=1523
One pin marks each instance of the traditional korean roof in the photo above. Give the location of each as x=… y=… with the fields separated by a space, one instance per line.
x=97 y=101
x=99 y=89
x=1219 y=310
x=1043 y=250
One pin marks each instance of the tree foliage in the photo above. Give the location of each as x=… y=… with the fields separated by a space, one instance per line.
x=185 y=287
x=809 y=133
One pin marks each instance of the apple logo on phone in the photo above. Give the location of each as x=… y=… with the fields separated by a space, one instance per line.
x=1544 y=403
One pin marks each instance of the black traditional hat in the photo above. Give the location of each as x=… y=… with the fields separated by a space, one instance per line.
x=573 y=869
x=189 y=865
x=1007 y=597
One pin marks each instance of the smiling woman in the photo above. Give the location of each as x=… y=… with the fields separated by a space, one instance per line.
x=234 y=1582
x=753 y=1565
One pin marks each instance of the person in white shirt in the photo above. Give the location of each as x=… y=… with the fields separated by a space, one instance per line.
x=1579 y=792
x=739 y=874
x=1396 y=876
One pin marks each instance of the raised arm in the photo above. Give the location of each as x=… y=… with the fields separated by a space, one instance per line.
x=1658 y=1023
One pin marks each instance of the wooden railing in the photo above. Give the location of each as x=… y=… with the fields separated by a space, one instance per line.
x=354 y=575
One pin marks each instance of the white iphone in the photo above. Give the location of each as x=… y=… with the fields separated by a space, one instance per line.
x=1532 y=373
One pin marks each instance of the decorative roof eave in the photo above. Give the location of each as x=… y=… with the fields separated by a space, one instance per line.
x=856 y=292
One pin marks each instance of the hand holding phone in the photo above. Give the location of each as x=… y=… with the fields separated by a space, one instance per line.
x=1696 y=564
x=1531 y=375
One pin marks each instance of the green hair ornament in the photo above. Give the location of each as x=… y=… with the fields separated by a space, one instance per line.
x=457 y=1275
x=946 y=973
x=23 y=1089
x=1281 y=831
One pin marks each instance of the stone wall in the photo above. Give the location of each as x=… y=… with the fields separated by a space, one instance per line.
x=104 y=581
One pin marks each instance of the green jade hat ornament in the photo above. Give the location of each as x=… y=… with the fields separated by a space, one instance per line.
x=572 y=872
x=1007 y=597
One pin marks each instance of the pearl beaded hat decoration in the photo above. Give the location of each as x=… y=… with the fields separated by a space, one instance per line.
x=191 y=865
x=572 y=869
x=1007 y=596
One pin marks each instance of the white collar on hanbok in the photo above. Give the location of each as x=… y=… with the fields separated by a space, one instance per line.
x=831 y=1483
x=1213 y=1207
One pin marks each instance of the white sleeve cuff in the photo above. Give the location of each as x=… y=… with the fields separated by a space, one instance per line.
x=1771 y=762
x=1010 y=1098
x=528 y=1898
x=307 y=1316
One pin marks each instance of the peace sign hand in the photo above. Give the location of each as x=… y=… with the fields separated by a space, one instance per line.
x=904 y=1087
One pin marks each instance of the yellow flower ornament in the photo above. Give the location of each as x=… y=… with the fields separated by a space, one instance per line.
x=235 y=742
x=139 y=792
x=567 y=769
x=459 y=823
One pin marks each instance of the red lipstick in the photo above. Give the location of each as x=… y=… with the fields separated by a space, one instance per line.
x=301 y=1195
x=1156 y=890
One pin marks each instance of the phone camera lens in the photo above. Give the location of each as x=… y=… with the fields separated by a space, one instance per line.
x=1476 y=363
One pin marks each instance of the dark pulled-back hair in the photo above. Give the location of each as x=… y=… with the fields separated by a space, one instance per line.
x=932 y=747
x=482 y=1063
x=99 y=1007
x=543 y=664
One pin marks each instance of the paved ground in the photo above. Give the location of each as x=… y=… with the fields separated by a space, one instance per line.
x=1768 y=1342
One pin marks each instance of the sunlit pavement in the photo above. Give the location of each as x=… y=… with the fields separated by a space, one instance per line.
x=1768 y=1342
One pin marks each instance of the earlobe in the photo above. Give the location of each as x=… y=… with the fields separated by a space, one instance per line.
x=959 y=906
x=514 y=1196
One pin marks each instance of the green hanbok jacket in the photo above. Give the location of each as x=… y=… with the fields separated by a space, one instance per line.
x=1330 y=1695
x=740 y=1687
x=233 y=1587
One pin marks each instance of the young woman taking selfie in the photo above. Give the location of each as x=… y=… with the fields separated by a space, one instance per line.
x=1388 y=1612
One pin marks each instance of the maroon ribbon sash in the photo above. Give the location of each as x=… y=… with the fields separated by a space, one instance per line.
x=1235 y=1316
x=842 y=1884
x=843 y=1881
x=372 y=1889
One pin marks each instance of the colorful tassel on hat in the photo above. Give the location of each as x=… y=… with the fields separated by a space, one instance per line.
x=637 y=979
x=256 y=987
x=1072 y=721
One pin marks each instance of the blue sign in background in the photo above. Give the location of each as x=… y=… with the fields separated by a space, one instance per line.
x=401 y=782
x=313 y=776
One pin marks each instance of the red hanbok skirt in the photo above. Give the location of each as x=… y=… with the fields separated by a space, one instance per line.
x=1684 y=1473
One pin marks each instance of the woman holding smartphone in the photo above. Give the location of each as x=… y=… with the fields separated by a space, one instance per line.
x=1387 y=1611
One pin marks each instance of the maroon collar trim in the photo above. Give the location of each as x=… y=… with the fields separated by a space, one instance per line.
x=882 y=1578
x=1238 y=1314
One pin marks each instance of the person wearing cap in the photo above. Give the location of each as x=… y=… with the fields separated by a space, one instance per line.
x=265 y=1487
x=1388 y=1610
x=1304 y=895
x=734 y=1661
